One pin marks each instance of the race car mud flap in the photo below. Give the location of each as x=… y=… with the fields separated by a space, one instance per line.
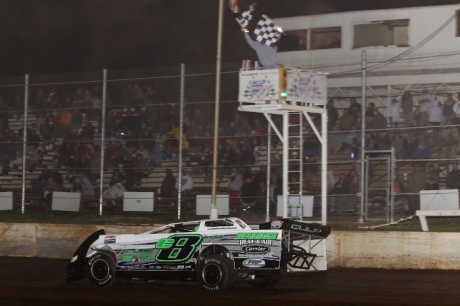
x=304 y=244
x=76 y=267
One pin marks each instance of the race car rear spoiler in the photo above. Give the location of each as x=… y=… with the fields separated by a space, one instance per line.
x=310 y=229
x=296 y=257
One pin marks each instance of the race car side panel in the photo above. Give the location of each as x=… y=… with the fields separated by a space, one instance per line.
x=254 y=250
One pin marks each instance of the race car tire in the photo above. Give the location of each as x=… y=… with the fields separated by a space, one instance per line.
x=217 y=273
x=268 y=281
x=101 y=270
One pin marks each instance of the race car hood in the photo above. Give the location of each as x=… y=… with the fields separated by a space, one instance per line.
x=76 y=267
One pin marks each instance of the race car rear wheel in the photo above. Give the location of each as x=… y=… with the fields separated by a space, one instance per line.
x=217 y=273
x=101 y=270
x=267 y=281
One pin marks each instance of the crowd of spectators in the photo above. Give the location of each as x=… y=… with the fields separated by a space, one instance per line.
x=143 y=131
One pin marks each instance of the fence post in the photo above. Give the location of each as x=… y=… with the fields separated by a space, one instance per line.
x=267 y=187
x=24 y=143
x=181 y=135
x=363 y=135
x=103 y=110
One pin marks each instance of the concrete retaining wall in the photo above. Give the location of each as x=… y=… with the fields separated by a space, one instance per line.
x=391 y=250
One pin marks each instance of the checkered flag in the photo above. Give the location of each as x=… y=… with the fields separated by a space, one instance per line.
x=245 y=17
x=267 y=32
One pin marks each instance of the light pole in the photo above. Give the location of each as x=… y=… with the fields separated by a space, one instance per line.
x=214 y=213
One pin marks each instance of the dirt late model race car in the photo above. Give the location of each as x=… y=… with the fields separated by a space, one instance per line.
x=217 y=253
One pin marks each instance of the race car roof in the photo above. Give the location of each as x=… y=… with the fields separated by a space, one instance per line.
x=229 y=224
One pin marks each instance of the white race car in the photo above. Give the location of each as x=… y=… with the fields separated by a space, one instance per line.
x=215 y=252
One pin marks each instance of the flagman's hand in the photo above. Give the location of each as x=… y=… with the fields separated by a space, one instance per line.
x=244 y=29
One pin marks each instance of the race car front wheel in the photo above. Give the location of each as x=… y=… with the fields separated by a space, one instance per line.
x=216 y=273
x=101 y=270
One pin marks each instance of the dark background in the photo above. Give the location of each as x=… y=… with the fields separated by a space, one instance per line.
x=56 y=36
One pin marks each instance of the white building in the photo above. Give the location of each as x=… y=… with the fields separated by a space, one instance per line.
x=406 y=49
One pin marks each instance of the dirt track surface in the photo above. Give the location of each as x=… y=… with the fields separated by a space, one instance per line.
x=30 y=281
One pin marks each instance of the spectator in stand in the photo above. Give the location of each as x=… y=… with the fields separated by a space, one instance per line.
x=186 y=184
x=156 y=156
x=379 y=122
x=261 y=198
x=17 y=107
x=448 y=109
x=248 y=191
x=432 y=178
x=434 y=140
x=434 y=113
x=82 y=165
x=355 y=111
x=53 y=99
x=131 y=142
x=346 y=121
x=422 y=151
x=237 y=179
x=226 y=159
x=310 y=170
x=341 y=187
x=433 y=172
x=32 y=139
x=143 y=152
x=383 y=142
x=453 y=178
x=148 y=140
x=410 y=144
x=259 y=130
x=66 y=119
x=77 y=119
x=87 y=129
x=83 y=185
x=394 y=112
x=370 y=111
x=66 y=155
x=332 y=115
x=456 y=120
x=407 y=105
x=311 y=145
x=416 y=180
x=425 y=101
x=261 y=175
x=34 y=158
x=141 y=170
x=39 y=184
x=245 y=155
x=398 y=144
x=350 y=141
x=168 y=186
x=10 y=144
x=116 y=177
x=116 y=154
x=276 y=187
x=416 y=118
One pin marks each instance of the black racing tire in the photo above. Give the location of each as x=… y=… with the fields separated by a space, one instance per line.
x=266 y=281
x=217 y=273
x=101 y=269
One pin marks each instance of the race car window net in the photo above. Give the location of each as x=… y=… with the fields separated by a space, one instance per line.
x=217 y=223
x=181 y=228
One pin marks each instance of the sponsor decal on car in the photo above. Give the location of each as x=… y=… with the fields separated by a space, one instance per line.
x=110 y=239
x=256 y=236
x=276 y=224
x=240 y=223
x=217 y=237
x=305 y=228
x=254 y=263
x=255 y=249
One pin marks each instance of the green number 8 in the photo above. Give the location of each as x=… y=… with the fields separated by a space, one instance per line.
x=177 y=248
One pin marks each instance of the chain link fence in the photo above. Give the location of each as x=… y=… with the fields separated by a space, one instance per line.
x=123 y=159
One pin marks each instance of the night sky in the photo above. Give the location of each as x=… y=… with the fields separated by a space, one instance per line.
x=56 y=36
